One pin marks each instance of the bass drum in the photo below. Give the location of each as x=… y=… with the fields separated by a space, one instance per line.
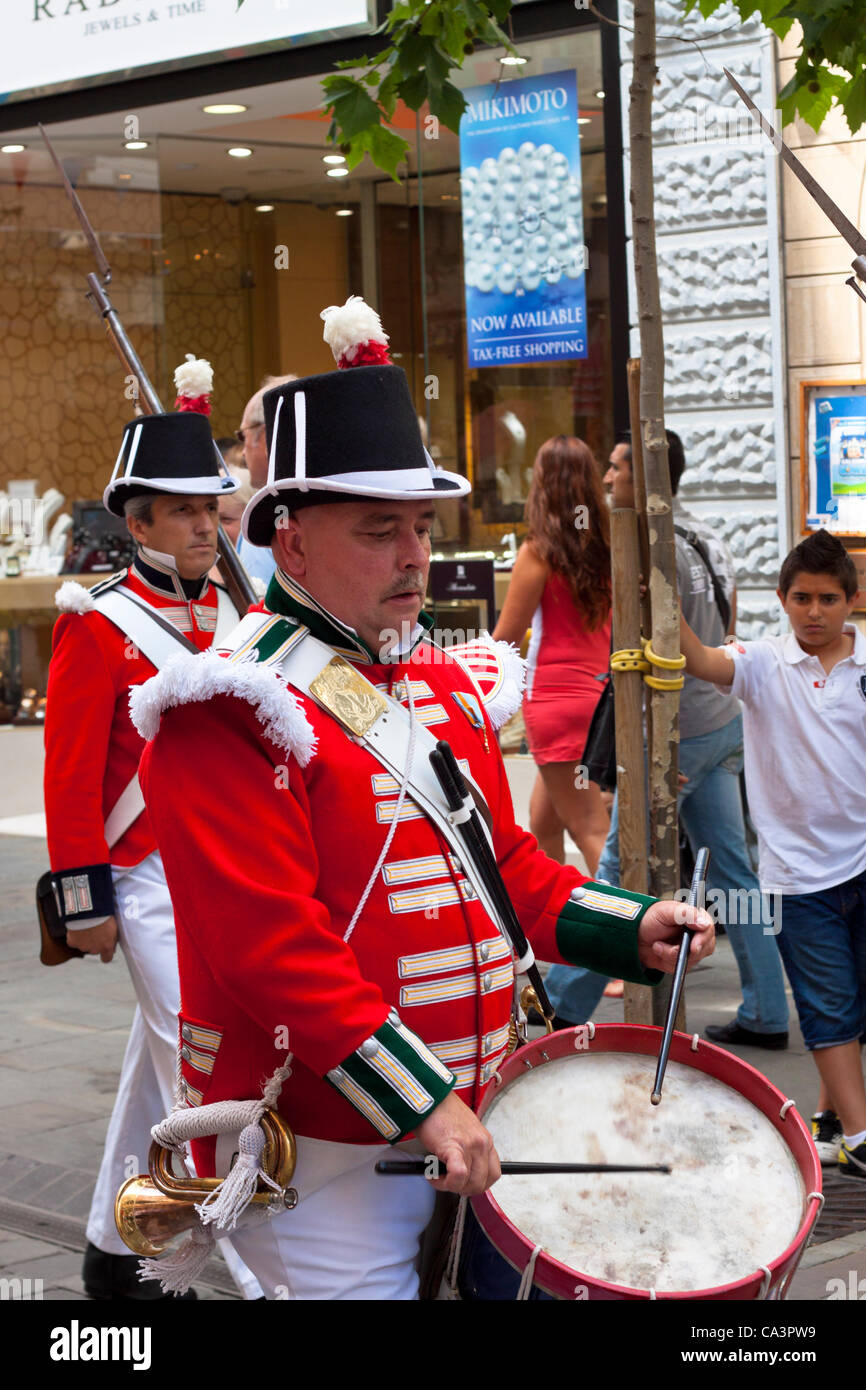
x=731 y=1221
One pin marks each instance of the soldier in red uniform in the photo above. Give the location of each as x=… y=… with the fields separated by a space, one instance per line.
x=324 y=903
x=107 y=870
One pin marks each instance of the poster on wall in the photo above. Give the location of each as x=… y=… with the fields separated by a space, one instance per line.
x=523 y=249
x=833 y=455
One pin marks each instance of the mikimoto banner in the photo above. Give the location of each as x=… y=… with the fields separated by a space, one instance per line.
x=523 y=248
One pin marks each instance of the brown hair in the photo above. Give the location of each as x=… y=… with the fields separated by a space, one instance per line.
x=569 y=524
x=820 y=553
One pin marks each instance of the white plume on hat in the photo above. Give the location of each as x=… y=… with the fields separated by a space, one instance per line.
x=194 y=377
x=351 y=325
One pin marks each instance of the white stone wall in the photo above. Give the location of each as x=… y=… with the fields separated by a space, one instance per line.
x=718 y=237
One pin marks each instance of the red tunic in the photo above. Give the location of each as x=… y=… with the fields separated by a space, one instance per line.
x=91 y=747
x=267 y=852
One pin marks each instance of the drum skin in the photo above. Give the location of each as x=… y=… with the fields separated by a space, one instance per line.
x=483 y=1276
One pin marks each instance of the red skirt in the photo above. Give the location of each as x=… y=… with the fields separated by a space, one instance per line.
x=558 y=715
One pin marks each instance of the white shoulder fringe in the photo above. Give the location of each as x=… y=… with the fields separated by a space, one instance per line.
x=191 y=679
x=72 y=597
x=499 y=682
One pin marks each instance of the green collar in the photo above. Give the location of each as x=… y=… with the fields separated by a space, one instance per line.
x=288 y=597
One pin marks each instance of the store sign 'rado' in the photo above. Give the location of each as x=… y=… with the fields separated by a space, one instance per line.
x=94 y=35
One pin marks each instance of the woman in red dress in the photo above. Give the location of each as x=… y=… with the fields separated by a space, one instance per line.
x=561 y=586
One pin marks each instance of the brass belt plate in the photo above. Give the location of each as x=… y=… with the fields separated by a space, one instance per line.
x=349 y=696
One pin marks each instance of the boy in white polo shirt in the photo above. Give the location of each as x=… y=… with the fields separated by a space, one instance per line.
x=804 y=698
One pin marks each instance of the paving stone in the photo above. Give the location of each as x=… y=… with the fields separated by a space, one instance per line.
x=31 y=1177
x=16 y=1249
x=822 y=1280
x=61 y=1266
x=81 y=1144
x=38 y=1117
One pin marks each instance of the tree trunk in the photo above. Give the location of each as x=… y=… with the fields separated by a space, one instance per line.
x=628 y=709
x=663 y=732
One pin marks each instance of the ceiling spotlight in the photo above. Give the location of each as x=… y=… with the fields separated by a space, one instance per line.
x=239 y=152
x=600 y=96
x=264 y=207
x=125 y=177
x=224 y=108
x=135 y=144
x=12 y=149
x=513 y=60
x=333 y=159
x=345 y=212
x=338 y=173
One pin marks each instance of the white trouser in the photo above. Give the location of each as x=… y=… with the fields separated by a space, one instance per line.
x=353 y=1235
x=145 y=1092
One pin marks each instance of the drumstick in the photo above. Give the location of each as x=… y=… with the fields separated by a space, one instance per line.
x=697 y=894
x=451 y=780
x=430 y=1166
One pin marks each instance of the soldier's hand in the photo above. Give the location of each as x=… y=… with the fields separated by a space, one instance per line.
x=458 y=1138
x=661 y=931
x=100 y=940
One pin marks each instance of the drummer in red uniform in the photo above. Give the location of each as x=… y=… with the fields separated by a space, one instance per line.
x=324 y=902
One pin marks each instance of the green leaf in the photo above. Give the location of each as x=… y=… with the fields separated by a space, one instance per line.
x=437 y=68
x=454 y=35
x=431 y=20
x=854 y=103
x=335 y=86
x=449 y=106
x=489 y=32
x=354 y=111
x=413 y=90
x=411 y=54
x=388 y=92
x=386 y=150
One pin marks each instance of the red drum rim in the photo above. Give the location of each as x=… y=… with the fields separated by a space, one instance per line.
x=560 y=1280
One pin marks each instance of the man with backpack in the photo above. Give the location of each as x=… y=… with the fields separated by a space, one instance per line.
x=710 y=801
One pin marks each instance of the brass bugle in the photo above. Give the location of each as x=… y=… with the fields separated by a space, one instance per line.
x=151 y=1211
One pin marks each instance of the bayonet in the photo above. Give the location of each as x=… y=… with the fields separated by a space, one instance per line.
x=236 y=578
x=843 y=225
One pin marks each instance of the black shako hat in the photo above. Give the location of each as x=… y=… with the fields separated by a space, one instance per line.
x=340 y=437
x=167 y=453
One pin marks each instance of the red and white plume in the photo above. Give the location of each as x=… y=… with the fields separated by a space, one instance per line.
x=193 y=381
x=354 y=333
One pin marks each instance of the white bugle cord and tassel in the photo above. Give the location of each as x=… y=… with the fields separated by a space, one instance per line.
x=222 y=1208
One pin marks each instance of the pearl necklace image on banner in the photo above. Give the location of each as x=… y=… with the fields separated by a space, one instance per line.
x=521 y=221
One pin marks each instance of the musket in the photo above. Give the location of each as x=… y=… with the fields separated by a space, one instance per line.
x=843 y=225
x=236 y=579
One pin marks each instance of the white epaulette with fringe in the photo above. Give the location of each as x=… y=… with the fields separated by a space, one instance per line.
x=193 y=678
x=73 y=597
x=498 y=672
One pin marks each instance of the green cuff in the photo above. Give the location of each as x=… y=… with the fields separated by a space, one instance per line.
x=393 y=1079
x=597 y=928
